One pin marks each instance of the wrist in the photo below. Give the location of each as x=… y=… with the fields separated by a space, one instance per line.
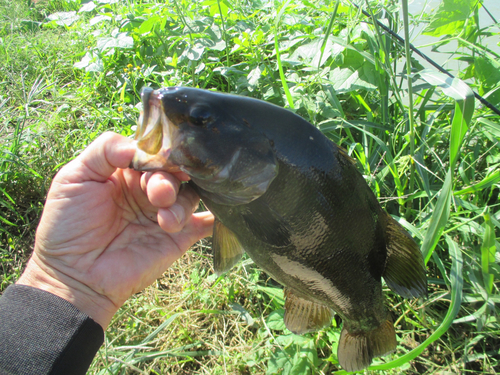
x=95 y=305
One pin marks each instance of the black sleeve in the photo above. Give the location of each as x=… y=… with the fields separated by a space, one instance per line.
x=41 y=333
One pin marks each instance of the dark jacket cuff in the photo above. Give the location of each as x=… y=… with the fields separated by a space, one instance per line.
x=41 y=333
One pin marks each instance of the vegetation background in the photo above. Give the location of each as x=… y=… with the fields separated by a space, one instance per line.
x=72 y=69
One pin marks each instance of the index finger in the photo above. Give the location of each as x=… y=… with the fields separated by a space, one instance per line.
x=100 y=159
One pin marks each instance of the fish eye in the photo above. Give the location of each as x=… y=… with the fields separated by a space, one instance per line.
x=200 y=116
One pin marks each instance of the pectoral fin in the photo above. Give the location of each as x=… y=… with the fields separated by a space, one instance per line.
x=302 y=316
x=227 y=248
x=405 y=270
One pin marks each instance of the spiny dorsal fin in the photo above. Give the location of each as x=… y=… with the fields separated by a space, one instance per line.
x=404 y=270
x=226 y=247
x=356 y=350
x=302 y=316
x=345 y=154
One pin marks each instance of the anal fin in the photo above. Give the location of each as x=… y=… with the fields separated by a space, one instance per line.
x=302 y=316
x=357 y=350
x=404 y=271
x=226 y=247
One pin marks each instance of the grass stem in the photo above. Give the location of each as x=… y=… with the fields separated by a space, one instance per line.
x=410 y=105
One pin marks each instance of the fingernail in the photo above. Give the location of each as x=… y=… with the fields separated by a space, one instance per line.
x=178 y=212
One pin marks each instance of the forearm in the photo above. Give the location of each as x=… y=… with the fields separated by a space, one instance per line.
x=41 y=333
x=96 y=306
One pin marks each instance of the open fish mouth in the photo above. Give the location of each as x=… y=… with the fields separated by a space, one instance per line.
x=154 y=135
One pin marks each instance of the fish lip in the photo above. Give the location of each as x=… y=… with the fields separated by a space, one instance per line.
x=154 y=135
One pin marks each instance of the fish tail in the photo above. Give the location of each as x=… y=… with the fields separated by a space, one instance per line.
x=356 y=350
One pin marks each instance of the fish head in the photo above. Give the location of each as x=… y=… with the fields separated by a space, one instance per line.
x=203 y=134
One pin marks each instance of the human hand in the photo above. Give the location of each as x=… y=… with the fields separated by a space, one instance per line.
x=108 y=232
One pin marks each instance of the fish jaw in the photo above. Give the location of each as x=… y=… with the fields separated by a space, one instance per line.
x=202 y=134
x=154 y=136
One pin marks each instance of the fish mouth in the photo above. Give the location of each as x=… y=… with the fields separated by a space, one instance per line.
x=154 y=135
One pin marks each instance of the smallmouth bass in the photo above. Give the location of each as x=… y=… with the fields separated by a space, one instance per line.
x=295 y=202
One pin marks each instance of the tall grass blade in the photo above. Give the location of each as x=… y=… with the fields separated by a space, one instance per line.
x=439 y=218
x=488 y=251
x=411 y=118
x=162 y=326
x=327 y=32
x=128 y=358
x=278 y=56
x=485 y=183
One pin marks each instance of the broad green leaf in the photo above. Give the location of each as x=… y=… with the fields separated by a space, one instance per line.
x=194 y=53
x=298 y=356
x=121 y=40
x=64 y=18
x=101 y=17
x=148 y=25
x=487 y=70
x=304 y=360
x=452 y=87
x=347 y=80
x=31 y=25
x=273 y=293
x=279 y=363
x=90 y=63
x=88 y=7
x=450 y=17
x=275 y=320
x=254 y=75
x=292 y=339
x=310 y=53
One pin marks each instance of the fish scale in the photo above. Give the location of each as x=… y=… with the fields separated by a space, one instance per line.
x=295 y=202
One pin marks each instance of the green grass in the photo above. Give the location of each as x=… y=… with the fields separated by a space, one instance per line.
x=432 y=160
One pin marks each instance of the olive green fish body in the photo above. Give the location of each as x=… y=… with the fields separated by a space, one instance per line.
x=317 y=235
x=295 y=202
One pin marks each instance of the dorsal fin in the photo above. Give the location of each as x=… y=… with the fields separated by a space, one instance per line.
x=404 y=270
x=302 y=316
x=345 y=154
x=226 y=247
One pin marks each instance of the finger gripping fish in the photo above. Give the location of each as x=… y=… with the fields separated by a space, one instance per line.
x=295 y=202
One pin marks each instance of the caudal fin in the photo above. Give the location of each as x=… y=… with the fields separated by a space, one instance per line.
x=356 y=350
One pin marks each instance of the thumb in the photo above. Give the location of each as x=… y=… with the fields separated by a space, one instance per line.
x=100 y=159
